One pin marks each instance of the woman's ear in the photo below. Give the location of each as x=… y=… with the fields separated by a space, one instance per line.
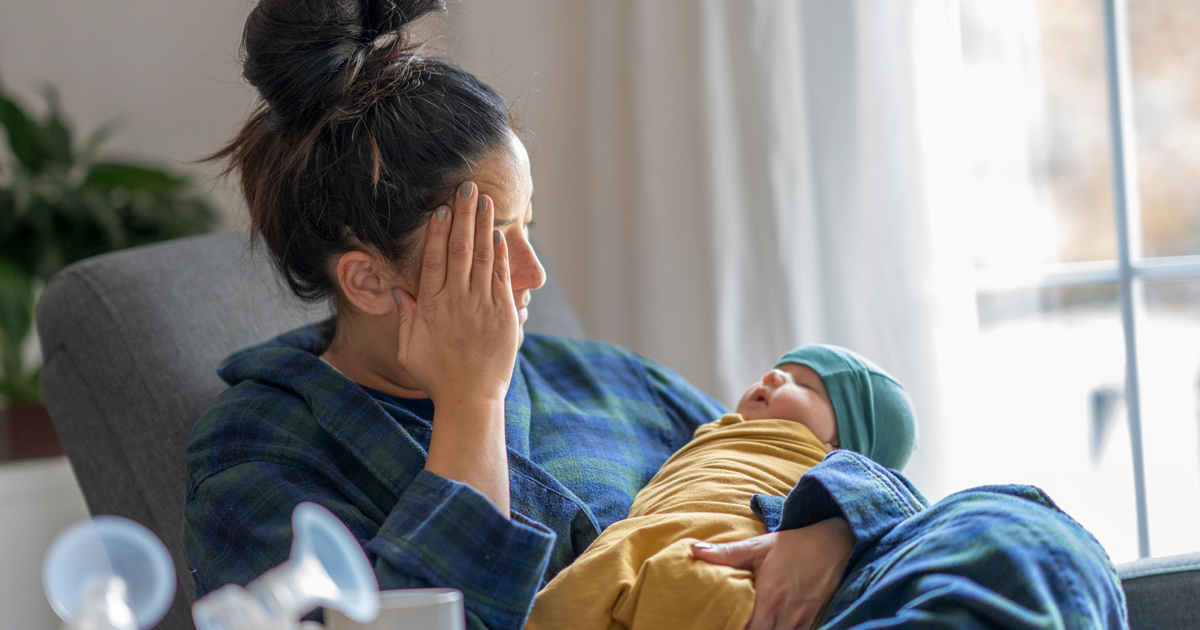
x=363 y=279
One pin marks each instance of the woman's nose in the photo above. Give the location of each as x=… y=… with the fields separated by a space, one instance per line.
x=527 y=271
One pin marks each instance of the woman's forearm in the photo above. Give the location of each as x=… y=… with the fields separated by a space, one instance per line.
x=468 y=446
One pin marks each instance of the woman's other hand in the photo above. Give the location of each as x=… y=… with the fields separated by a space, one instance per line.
x=459 y=336
x=796 y=572
x=458 y=340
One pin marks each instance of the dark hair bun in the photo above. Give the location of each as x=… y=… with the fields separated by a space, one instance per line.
x=302 y=54
x=360 y=137
x=386 y=16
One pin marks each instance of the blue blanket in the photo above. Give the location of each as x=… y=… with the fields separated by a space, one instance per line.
x=989 y=557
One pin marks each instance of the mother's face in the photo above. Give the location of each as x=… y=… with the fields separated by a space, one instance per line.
x=504 y=176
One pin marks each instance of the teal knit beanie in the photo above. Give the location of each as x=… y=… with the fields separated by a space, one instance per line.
x=873 y=412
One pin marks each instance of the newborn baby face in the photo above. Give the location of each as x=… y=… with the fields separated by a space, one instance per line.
x=792 y=392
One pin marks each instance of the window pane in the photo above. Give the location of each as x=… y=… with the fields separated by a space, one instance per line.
x=1036 y=132
x=1079 y=164
x=1044 y=406
x=1165 y=51
x=1169 y=336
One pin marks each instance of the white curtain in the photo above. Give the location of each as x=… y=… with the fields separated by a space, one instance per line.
x=754 y=175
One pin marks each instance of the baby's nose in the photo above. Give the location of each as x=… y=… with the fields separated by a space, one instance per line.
x=773 y=378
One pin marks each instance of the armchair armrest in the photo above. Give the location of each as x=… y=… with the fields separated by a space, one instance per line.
x=1163 y=593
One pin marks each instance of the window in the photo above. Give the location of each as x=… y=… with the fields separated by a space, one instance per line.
x=1084 y=180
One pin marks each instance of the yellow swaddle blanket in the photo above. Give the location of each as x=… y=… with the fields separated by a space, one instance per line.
x=640 y=574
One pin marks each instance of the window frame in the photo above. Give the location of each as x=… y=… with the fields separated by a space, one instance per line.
x=1131 y=270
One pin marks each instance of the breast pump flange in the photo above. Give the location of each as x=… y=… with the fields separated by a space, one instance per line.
x=327 y=568
x=108 y=573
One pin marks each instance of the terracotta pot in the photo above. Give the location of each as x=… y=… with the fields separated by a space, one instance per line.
x=28 y=432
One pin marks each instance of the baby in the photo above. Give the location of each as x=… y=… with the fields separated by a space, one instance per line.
x=639 y=573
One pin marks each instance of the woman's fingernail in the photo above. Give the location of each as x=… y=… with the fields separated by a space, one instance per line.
x=496 y=237
x=442 y=213
x=701 y=545
x=464 y=191
x=396 y=296
x=482 y=203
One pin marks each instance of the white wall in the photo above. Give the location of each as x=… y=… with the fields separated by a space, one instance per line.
x=168 y=69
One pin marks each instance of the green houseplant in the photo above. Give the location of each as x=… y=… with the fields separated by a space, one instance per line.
x=59 y=203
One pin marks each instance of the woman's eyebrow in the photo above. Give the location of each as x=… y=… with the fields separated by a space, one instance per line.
x=508 y=222
x=505 y=222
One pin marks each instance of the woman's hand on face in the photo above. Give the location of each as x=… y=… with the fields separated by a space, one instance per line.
x=796 y=572
x=459 y=336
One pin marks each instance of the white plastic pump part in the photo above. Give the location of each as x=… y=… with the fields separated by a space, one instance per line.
x=108 y=573
x=327 y=568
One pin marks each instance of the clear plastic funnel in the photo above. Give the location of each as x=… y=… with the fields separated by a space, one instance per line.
x=109 y=568
x=327 y=567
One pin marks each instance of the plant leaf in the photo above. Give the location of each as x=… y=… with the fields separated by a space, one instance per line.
x=8 y=215
x=56 y=132
x=16 y=312
x=20 y=242
x=110 y=175
x=22 y=135
x=98 y=137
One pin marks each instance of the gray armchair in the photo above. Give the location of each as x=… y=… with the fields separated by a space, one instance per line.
x=1163 y=593
x=132 y=341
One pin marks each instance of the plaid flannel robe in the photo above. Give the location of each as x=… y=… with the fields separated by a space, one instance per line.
x=587 y=425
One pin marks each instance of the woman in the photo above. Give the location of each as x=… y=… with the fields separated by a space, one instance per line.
x=459 y=453
x=393 y=184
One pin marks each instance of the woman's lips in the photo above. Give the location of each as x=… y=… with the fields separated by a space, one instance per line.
x=522 y=315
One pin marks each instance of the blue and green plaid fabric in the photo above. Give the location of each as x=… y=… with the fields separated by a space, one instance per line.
x=989 y=557
x=587 y=425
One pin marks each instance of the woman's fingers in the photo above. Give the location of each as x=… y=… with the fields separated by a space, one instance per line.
x=800 y=574
x=481 y=266
x=459 y=337
x=744 y=554
x=795 y=572
x=461 y=244
x=748 y=555
x=501 y=274
x=407 y=307
x=433 y=263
